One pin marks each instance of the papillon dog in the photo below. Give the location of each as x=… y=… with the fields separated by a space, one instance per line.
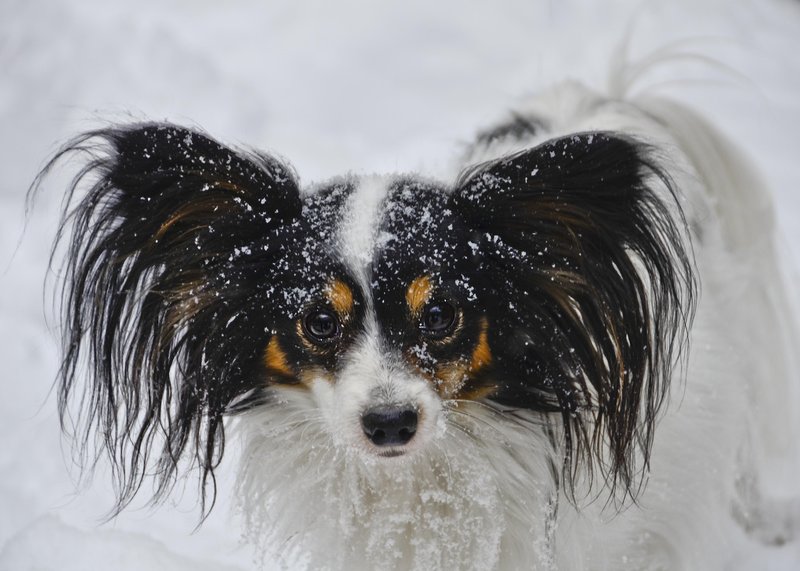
x=575 y=354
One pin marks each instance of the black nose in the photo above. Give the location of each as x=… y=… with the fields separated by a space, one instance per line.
x=389 y=426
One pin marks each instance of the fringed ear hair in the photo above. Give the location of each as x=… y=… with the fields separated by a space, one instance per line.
x=586 y=240
x=155 y=273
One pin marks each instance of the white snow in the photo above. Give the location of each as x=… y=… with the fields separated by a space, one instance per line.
x=333 y=87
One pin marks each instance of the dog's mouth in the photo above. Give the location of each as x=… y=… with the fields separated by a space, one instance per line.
x=393 y=453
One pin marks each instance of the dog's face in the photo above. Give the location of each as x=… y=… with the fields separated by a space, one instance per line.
x=202 y=283
x=390 y=324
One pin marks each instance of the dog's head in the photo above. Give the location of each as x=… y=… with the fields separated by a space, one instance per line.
x=201 y=282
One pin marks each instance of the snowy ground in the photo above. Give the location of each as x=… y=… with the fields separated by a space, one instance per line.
x=332 y=86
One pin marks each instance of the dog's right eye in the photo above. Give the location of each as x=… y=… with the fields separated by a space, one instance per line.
x=321 y=325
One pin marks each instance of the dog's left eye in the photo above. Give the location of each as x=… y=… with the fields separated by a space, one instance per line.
x=321 y=325
x=438 y=319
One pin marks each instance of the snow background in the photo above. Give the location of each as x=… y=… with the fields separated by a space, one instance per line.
x=332 y=86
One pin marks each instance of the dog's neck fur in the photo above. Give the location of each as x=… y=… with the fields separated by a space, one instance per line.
x=482 y=497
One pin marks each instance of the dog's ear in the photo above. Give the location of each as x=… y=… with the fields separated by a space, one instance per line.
x=154 y=277
x=584 y=237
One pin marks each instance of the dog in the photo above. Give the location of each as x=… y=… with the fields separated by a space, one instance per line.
x=574 y=355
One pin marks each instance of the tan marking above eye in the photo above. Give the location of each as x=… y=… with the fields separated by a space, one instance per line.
x=275 y=358
x=340 y=297
x=419 y=293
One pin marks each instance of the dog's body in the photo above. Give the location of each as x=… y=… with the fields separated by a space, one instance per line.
x=479 y=376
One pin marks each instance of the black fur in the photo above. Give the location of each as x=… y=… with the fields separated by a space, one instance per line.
x=164 y=292
x=591 y=287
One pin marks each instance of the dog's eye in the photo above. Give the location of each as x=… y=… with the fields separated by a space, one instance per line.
x=321 y=325
x=438 y=319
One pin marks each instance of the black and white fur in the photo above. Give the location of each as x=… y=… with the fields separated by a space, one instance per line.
x=574 y=352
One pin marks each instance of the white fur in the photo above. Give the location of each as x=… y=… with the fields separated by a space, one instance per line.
x=462 y=503
x=478 y=491
x=357 y=235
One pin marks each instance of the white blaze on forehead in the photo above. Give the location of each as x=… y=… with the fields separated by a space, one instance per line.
x=358 y=232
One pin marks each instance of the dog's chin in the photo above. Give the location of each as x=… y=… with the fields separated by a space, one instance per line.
x=385 y=454
x=390 y=455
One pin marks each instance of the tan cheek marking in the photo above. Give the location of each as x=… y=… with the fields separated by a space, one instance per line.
x=275 y=358
x=444 y=377
x=418 y=294
x=482 y=354
x=341 y=297
x=450 y=378
x=481 y=357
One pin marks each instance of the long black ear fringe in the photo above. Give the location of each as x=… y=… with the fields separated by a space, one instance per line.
x=586 y=235
x=153 y=285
